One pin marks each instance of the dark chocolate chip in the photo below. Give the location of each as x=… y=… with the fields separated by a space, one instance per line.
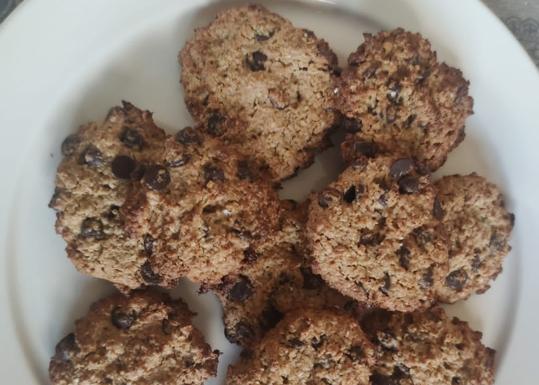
x=148 y=275
x=66 y=347
x=387 y=284
x=250 y=255
x=368 y=149
x=457 y=279
x=166 y=327
x=92 y=228
x=132 y=138
x=393 y=92
x=70 y=144
x=122 y=166
x=113 y=213
x=422 y=236
x=404 y=257
x=476 y=263
x=401 y=167
x=408 y=185
x=311 y=281
x=244 y=171
x=437 y=209
x=355 y=353
x=157 y=177
x=147 y=242
x=294 y=343
x=456 y=381
x=242 y=331
x=213 y=173
x=241 y=290
x=368 y=238
x=409 y=121
x=264 y=36
x=214 y=124
x=255 y=61
x=121 y=319
x=381 y=379
x=351 y=125
x=427 y=279
x=188 y=136
x=181 y=160
x=317 y=343
x=350 y=195
x=91 y=156
x=371 y=70
x=270 y=317
x=139 y=171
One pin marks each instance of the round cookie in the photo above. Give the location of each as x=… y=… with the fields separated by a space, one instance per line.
x=145 y=338
x=424 y=348
x=253 y=79
x=100 y=165
x=309 y=346
x=373 y=234
x=478 y=227
x=396 y=94
x=204 y=212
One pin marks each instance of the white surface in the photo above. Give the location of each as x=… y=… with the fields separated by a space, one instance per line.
x=65 y=63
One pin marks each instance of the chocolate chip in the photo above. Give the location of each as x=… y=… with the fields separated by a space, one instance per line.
x=181 y=160
x=213 y=173
x=476 y=263
x=66 y=347
x=244 y=171
x=92 y=228
x=355 y=353
x=393 y=92
x=351 y=125
x=270 y=317
x=147 y=242
x=387 y=340
x=387 y=284
x=437 y=209
x=368 y=149
x=139 y=171
x=70 y=144
x=91 y=156
x=166 y=327
x=122 y=166
x=408 y=185
x=241 y=290
x=404 y=257
x=188 y=136
x=457 y=279
x=294 y=343
x=148 y=275
x=242 y=331
x=214 y=124
x=409 y=121
x=381 y=379
x=121 y=319
x=311 y=281
x=255 y=61
x=132 y=138
x=497 y=242
x=317 y=343
x=456 y=381
x=368 y=238
x=327 y=197
x=422 y=236
x=157 y=177
x=371 y=70
x=401 y=167
x=113 y=213
x=264 y=36
x=427 y=278
x=249 y=255
x=350 y=195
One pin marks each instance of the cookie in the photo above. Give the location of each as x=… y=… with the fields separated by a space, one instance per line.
x=253 y=79
x=309 y=346
x=396 y=94
x=273 y=282
x=203 y=211
x=424 y=348
x=374 y=237
x=145 y=338
x=101 y=164
x=478 y=227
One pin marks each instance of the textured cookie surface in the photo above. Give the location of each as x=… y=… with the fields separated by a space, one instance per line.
x=395 y=93
x=308 y=347
x=255 y=80
x=100 y=165
x=273 y=282
x=203 y=211
x=478 y=227
x=374 y=236
x=426 y=348
x=142 y=339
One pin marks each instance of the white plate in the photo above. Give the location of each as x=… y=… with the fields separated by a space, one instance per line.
x=65 y=63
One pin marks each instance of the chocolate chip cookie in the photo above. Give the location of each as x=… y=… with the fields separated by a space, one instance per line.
x=374 y=234
x=396 y=94
x=202 y=210
x=479 y=227
x=424 y=348
x=308 y=347
x=101 y=164
x=145 y=338
x=254 y=80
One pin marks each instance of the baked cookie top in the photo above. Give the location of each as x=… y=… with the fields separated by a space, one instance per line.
x=101 y=164
x=478 y=228
x=145 y=338
x=374 y=235
x=309 y=346
x=397 y=94
x=424 y=348
x=253 y=79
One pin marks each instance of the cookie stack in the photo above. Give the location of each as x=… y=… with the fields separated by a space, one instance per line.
x=342 y=288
